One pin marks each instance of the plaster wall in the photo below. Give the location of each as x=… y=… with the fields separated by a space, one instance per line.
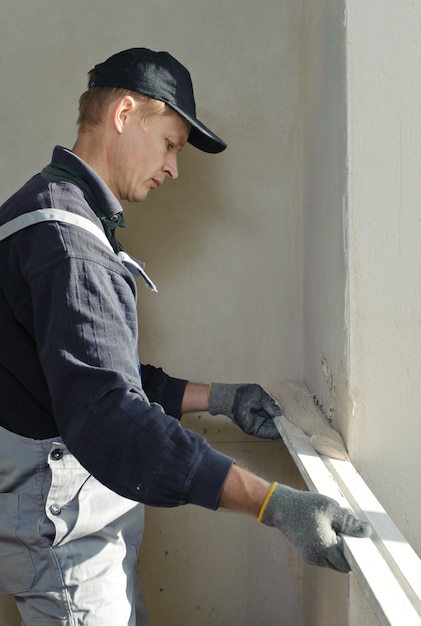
x=323 y=94
x=384 y=55
x=361 y=247
x=325 y=332
x=294 y=254
x=385 y=229
x=223 y=243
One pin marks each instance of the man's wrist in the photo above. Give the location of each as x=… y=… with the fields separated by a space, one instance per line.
x=243 y=492
x=195 y=398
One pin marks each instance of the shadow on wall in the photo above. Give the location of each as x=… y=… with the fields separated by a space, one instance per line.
x=8 y=612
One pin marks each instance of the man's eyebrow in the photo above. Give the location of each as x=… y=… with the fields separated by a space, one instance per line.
x=180 y=144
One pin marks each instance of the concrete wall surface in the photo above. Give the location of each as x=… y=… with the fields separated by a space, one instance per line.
x=362 y=226
x=385 y=227
x=292 y=255
x=384 y=127
x=223 y=243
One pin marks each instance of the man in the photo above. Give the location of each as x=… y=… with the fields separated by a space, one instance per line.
x=87 y=434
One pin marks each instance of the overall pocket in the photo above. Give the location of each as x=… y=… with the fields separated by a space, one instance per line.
x=16 y=568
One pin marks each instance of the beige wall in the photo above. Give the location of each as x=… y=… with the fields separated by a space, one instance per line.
x=385 y=227
x=224 y=244
x=323 y=96
x=384 y=52
x=361 y=244
x=295 y=254
x=323 y=101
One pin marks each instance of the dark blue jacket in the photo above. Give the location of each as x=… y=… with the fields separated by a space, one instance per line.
x=68 y=355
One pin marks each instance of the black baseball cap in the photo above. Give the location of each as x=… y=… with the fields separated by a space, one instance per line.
x=160 y=76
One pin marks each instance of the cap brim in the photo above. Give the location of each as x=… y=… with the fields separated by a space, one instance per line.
x=200 y=136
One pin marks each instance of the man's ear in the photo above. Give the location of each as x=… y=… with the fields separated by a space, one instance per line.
x=122 y=110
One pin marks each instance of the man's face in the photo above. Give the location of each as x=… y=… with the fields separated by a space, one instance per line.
x=146 y=153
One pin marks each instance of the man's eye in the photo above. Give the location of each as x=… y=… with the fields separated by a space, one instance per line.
x=170 y=145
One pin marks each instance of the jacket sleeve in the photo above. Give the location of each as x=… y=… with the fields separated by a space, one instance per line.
x=163 y=389
x=83 y=306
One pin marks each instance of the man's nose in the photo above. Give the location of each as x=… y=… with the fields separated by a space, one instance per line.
x=171 y=166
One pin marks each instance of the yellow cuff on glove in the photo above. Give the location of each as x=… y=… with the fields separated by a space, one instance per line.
x=265 y=503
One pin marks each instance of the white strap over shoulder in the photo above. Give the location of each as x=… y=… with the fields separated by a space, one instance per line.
x=58 y=215
x=51 y=215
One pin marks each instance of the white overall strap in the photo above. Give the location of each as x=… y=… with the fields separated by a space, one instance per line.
x=58 y=215
x=135 y=267
x=51 y=215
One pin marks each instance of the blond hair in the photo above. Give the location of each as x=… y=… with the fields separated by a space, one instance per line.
x=94 y=102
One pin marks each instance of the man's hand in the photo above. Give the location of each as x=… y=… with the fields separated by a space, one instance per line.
x=248 y=406
x=313 y=523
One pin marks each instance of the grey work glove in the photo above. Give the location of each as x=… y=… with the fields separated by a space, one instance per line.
x=313 y=523
x=248 y=406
